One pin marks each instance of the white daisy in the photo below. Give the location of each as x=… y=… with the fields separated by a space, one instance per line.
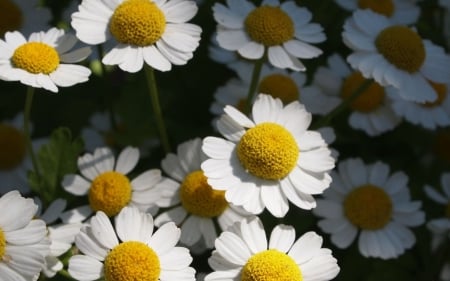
x=395 y=55
x=130 y=250
x=365 y=199
x=283 y=31
x=144 y=30
x=197 y=205
x=44 y=61
x=270 y=160
x=243 y=253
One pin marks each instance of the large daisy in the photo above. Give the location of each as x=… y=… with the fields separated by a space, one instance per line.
x=367 y=200
x=44 y=60
x=268 y=160
x=130 y=250
x=243 y=253
x=154 y=32
x=395 y=55
x=283 y=31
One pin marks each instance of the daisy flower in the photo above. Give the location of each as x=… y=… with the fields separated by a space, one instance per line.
x=197 y=205
x=23 y=243
x=269 y=160
x=143 y=30
x=243 y=253
x=365 y=199
x=283 y=31
x=130 y=250
x=395 y=55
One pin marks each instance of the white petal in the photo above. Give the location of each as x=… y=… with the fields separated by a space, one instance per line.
x=127 y=160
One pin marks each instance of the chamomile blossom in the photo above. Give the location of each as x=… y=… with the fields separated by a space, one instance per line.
x=130 y=250
x=44 y=60
x=395 y=55
x=369 y=201
x=282 y=30
x=155 y=32
x=244 y=253
x=269 y=160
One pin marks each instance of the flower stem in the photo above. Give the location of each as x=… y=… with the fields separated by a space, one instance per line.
x=254 y=83
x=153 y=90
x=26 y=128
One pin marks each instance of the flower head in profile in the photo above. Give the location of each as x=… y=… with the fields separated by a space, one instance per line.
x=244 y=253
x=152 y=31
x=269 y=160
x=281 y=30
x=367 y=200
x=44 y=60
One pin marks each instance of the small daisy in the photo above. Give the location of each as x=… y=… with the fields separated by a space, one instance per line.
x=130 y=250
x=243 y=253
x=270 y=160
x=198 y=206
x=365 y=199
x=395 y=55
x=44 y=61
x=144 y=30
x=283 y=31
x=23 y=243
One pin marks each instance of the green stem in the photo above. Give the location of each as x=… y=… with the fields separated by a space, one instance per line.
x=26 y=128
x=254 y=83
x=107 y=94
x=151 y=82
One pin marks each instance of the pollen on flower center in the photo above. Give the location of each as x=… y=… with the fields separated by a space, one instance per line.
x=199 y=199
x=268 y=151
x=384 y=7
x=36 y=57
x=110 y=192
x=137 y=22
x=11 y=17
x=132 y=261
x=372 y=97
x=402 y=47
x=368 y=207
x=269 y=26
x=441 y=92
x=2 y=244
x=271 y=265
x=279 y=86
x=12 y=147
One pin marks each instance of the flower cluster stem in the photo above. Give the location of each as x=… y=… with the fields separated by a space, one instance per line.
x=254 y=83
x=27 y=131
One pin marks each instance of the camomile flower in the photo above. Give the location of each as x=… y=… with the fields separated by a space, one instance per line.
x=154 y=32
x=197 y=206
x=244 y=253
x=282 y=30
x=395 y=55
x=44 y=60
x=269 y=160
x=367 y=200
x=130 y=250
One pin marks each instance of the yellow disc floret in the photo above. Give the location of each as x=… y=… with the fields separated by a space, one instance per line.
x=269 y=26
x=199 y=199
x=137 y=22
x=271 y=265
x=110 y=192
x=279 y=86
x=368 y=207
x=369 y=100
x=11 y=17
x=384 y=7
x=402 y=47
x=12 y=147
x=2 y=244
x=441 y=92
x=36 y=57
x=268 y=151
x=132 y=261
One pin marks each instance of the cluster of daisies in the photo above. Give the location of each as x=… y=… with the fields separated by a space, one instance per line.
x=264 y=159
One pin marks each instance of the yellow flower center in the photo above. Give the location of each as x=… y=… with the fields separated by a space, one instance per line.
x=137 y=22
x=269 y=26
x=199 y=199
x=372 y=97
x=2 y=244
x=271 y=265
x=36 y=57
x=368 y=207
x=384 y=7
x=279 y=86
x=110 y=192
x=441 y=92
x=11 y=17
x=402 y=47
x=268 y=151
x=12 y=147
x=132 y=261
